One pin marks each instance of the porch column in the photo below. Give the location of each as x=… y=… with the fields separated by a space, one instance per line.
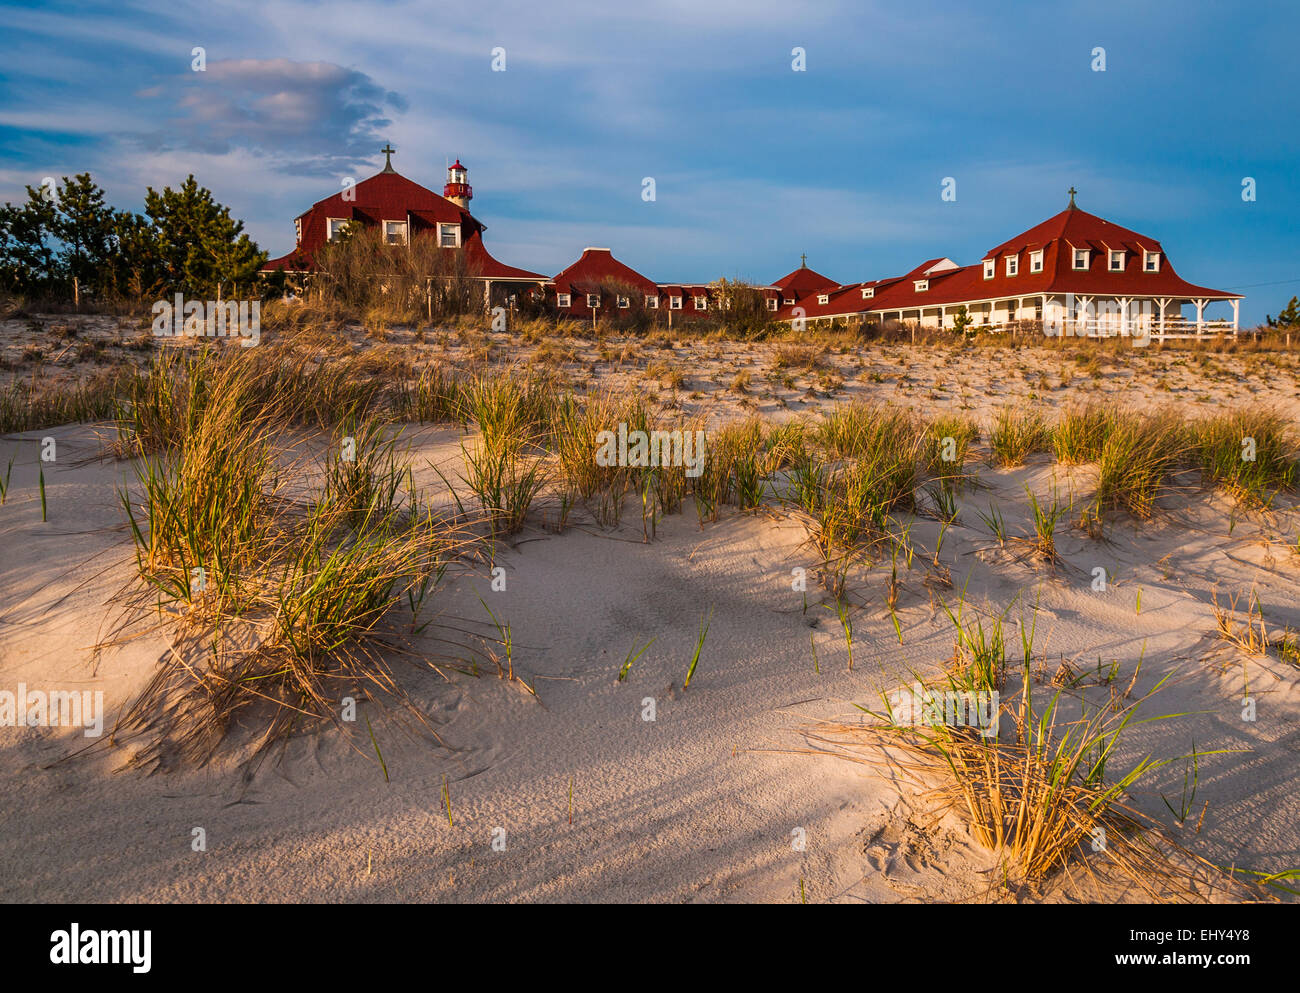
x=487 y=295
x=1163 y=302
x=1236 y=310
x=1123 y=316
x=1200 y=315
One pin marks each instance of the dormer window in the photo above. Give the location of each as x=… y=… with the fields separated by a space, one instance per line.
x=823 y=298
x=771 y=303
x=1013 y=265
x=989 y=265
x=593 y=300
x=448 y=235
x=622 y=302
x=1151 y=261
x=868 y=292
x=1036 y=261
x=563 y=300
x=334 y=227
x=297 y=231
x=652 y=303
x=1081 y=259
x=395 y=232
x=922 y=285
x=1117 y=260
x=701 y=303
x=674 y=303
x=787 y=301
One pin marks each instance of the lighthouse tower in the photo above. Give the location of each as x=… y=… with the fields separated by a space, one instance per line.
x=457 y=190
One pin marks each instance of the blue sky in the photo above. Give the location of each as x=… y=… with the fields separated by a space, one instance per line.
x=753 y=162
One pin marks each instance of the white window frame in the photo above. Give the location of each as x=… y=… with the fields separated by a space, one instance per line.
x=868 y=292
x=1147 y=259
x=454 y=228
x=990 y=268
x=652 y=302
x=921 y=285
x=402 y=227
x=1036 y=261
x=297 y=230
x=788 y=301
x=593 y=301
x=1013 y=265
x=332 y=231
x=674 y=303
x=701 y=303
x=772 y=303
x=823 y=298
x=1082 y=255
x=563 y=300
x=622 y=302
x=1116 y=255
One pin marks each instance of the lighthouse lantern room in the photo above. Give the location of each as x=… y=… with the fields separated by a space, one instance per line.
x=457 y=190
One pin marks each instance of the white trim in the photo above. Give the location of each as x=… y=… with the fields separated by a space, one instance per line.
x=772 y=303
x=563 y=300
x=442 y=226
x=990 y=268
x=1012 y=264
x=622 y=302
x=1111 y=260
x=701 y=303
x=330 y=233
x=921 y=285
x=1149 y=257
x=868 y=292
x=593 y=297
x=823 y=298
x=1087 y=259
x=1036 y=260
x=652 y=302
x=674 y=303
x=403 y=227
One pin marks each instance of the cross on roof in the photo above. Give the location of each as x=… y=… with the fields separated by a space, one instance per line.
x=1072 y=191
x=803 y=261
x=388 y=151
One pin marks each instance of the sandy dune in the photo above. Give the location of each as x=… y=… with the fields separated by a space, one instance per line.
x=708 y=801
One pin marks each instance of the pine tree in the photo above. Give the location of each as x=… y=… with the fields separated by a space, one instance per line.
x=84 y=225
x=28 y=263
x=201 y=248
x=1289 y=318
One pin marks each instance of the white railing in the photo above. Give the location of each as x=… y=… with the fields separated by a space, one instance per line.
x=1173 y=327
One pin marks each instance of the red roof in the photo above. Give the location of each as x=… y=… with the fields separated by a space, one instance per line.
x=803 y=281
x=1056 y=238
x=390 y=196
x=595 y=266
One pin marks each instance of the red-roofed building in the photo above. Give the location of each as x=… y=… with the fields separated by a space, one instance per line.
x=1075 y=273
x=404 y=210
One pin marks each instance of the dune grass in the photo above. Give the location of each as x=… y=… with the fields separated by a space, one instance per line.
x=1251 y=452
x=1016 y=435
